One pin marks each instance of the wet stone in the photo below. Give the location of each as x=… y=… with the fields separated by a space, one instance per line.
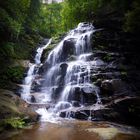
x=75 y=103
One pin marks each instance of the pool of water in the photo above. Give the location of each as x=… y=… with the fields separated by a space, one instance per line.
x=76 y=130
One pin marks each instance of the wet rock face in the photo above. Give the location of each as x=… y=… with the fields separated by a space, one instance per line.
x=121 y=111
x=67 y=50
x=75 y=103
x=114 y=86
x=85 y=96
x=119 y=103
x=81 y=115
x=106 y=87
x=89 y=95
x=63 y=68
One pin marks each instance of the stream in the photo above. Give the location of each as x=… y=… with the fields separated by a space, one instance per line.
x=76 y=130
x=65 y=77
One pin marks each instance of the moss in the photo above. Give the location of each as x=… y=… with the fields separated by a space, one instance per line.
x=50 y=47
x=11 y=123
x=124 y=75
x=108 y=57
x=55 y=41
x=101 y=47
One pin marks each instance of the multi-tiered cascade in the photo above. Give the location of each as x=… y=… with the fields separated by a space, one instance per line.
x=67 y=72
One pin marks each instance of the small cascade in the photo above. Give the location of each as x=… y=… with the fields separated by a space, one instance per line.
x=31 y=74
x=90 y=117
x=28 y=83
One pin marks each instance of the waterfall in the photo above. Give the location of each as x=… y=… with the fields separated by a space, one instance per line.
x=67 y=78
x=31 y=74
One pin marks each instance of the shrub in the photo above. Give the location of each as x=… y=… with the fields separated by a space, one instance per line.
x=15 y=73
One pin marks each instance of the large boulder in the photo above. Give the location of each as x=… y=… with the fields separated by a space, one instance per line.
x=63 y=68
x=128 y=109
x=12 y=106
x=83 y=95
x=114 y=86
x=67 y=49
x=107 y=87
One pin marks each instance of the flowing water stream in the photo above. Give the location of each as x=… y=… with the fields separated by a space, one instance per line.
x=32 y=72
x=67 y=76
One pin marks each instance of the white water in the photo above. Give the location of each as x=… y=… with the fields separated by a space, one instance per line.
x=68 y=75
x=27 y=83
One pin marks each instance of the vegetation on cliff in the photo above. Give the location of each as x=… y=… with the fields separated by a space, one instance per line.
x=23 y=24
x=126 y=12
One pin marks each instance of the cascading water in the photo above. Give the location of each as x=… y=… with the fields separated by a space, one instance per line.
x=67 y=78
x=32 y=71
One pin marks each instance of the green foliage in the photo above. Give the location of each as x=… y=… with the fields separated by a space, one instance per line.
x=7 y=49
x=55 y=41
x=101 y=47
x=50 y=24
x=132 y=18
x=12 y=16
x=10 y=50
x=11 y=75
x=7 y=24
x=15 y=123
x=32 y=20
x=15 y=41
x=108 y=57
x=124 y=74
x=43 y=19
x=15 y=73
x=74 y=12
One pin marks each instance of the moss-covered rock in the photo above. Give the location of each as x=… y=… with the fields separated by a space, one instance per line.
x=15 y=112
x=55 y=41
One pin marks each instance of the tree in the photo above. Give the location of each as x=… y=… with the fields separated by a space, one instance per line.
x=12 y=16
x=32 y=20
x=132 y=18
x=78 y=11
x=51 y=19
